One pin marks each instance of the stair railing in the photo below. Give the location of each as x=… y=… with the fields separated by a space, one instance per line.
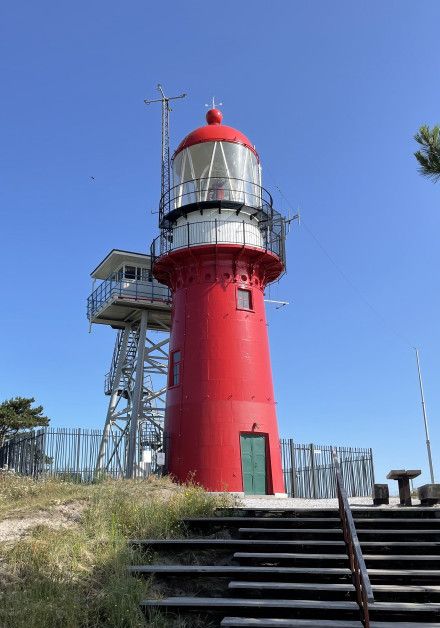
x=361 y=580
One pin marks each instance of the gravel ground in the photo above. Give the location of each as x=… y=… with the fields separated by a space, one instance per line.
x=293 y=503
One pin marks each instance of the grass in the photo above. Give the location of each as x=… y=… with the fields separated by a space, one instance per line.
x=76 y=577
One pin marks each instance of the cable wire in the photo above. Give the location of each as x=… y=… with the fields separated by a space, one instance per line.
x=386 y=323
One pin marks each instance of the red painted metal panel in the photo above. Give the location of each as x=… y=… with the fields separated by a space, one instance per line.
x=214 y=131
x=226 y=381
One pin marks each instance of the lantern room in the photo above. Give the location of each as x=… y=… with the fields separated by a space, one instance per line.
x=216 y=163
x=216 y=196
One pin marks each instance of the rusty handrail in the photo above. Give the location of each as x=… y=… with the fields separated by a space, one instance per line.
x=361 y=580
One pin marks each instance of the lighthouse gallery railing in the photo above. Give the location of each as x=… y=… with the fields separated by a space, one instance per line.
x=224 y=191
x=268 y=236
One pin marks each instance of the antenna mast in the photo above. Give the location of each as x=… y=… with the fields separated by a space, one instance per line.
x=165 y=182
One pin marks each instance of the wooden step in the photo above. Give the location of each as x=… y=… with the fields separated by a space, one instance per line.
x=262 y=622
x=303 y=574
x=275 y=533
x=397 y=574
x=300 y=590
x=382 y=523
x=320 y=609
x=394 y=522
x=370 y=559
x=236 y=571
x=286 y=533
x=272 y=558
x=273 y=513
x=333 y=590
x=416 y=548
x=186 y=544
x=371 y=512
x=206 y=522
x=238 y=606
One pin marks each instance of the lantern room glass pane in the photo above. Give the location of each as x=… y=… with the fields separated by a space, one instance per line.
x=213 y=171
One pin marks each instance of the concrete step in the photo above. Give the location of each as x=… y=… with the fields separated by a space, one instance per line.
x=294 y=609
x=332 y=591
x=390 y=561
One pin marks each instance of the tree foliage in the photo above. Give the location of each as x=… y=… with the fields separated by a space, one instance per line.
x=16 y=415
x=429 y=154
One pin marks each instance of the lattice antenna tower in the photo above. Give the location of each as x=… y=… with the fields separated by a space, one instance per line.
x=165 y=181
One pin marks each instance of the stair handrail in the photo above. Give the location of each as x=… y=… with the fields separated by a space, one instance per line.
x=361 y=580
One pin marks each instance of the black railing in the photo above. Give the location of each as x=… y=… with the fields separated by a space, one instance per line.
x=266 y=235
x=214 y=190
x=361 y=580
x=132 y=290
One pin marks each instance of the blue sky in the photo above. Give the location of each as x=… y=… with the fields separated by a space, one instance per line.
x=331 y=94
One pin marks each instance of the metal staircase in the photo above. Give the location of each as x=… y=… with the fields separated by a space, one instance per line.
x=149 y=411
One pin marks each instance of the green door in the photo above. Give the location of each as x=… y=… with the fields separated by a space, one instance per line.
x=253 y=460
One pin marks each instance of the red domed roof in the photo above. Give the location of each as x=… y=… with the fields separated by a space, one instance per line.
x=214 y=131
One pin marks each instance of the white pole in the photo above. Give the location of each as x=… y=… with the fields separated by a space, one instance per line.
x=425 y=418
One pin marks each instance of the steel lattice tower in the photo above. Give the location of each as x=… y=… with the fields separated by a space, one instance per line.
x=131 y=301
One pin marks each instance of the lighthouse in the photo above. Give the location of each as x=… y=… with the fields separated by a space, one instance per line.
x=221 y=244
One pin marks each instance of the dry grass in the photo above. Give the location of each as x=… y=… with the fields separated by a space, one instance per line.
x=76 y=577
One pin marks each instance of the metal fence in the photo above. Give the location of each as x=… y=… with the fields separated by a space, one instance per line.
x=69 y=452
x=309 y=470
x=72 y=453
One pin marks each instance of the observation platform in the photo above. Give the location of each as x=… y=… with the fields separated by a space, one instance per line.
x=127 y=288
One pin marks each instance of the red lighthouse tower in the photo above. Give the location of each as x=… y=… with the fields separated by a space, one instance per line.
x=221 y=243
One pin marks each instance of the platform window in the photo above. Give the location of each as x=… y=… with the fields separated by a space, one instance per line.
x=117 y=276
x=146 y=274
x=244 y=299
x=176 y=363
x=130 y=272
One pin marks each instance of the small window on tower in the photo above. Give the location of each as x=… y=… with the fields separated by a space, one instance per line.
x=244 y=299
x=175 y=371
